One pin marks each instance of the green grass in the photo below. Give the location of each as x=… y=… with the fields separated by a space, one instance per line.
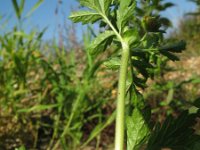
x=54 y=97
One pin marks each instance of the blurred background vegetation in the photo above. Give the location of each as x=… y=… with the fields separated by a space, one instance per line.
x=53 y=92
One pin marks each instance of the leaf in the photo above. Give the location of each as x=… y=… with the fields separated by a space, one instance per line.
x=113 y=63
x=16 y=8
x=164 y=6
x=40 y=35
x=21 y=7
x=175 y=133
x=151 y=40
x=21 y=148
x=39 y=2
x=168 y=4
x=105 y=5
x=165 y=22
x=177 y=48
x=88 y=3
x=100 y=42
x=142 y=64
x=131 y=36
x=101 y=6
x=124 y=13
x=140 y=82
x=138 y=99
x=137 y=130
x=169 y=55
x=84 y=17
x=142 y=67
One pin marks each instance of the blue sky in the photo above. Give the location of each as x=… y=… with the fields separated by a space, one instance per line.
x=45 y=15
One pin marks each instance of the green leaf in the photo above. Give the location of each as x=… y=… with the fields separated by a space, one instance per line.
x=101 y=42
x=39 y=2
x=177 y=47
x=162 y=7
x=126 y=10
x=167 y=5
x=84 y=17
x=175 y=133
x=142 y=64
x=151 y=40
x=137 y=130
x=16 y=8
x=101 y=6
x=131 y=35
x=21 y=148
x=169 y=55
x=138 y=99
x=105 y=5
x=165 y=22
x=113 y=63
x=88 y=3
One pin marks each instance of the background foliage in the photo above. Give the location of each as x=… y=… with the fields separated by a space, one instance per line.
x=53 y=94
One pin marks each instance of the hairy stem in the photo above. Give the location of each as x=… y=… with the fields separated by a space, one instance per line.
x=119 y=131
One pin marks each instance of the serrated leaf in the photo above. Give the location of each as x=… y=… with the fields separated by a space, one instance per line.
x=137 y=130
x=138 y=99
x=124 y=13
x=175 y=133
x=88 y=3
x=107 y=5
x=113 y=63
x=103 y=5
x=101 y=42
x=97 y=5
x=142 y=64
x=164 y=6
x=84 y=17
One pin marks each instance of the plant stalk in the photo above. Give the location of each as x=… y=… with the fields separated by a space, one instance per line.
x=119 y=129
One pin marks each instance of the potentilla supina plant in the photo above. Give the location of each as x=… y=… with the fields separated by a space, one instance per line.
x=139 y=39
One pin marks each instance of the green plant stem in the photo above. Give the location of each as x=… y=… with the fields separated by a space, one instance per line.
x=119 y=130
